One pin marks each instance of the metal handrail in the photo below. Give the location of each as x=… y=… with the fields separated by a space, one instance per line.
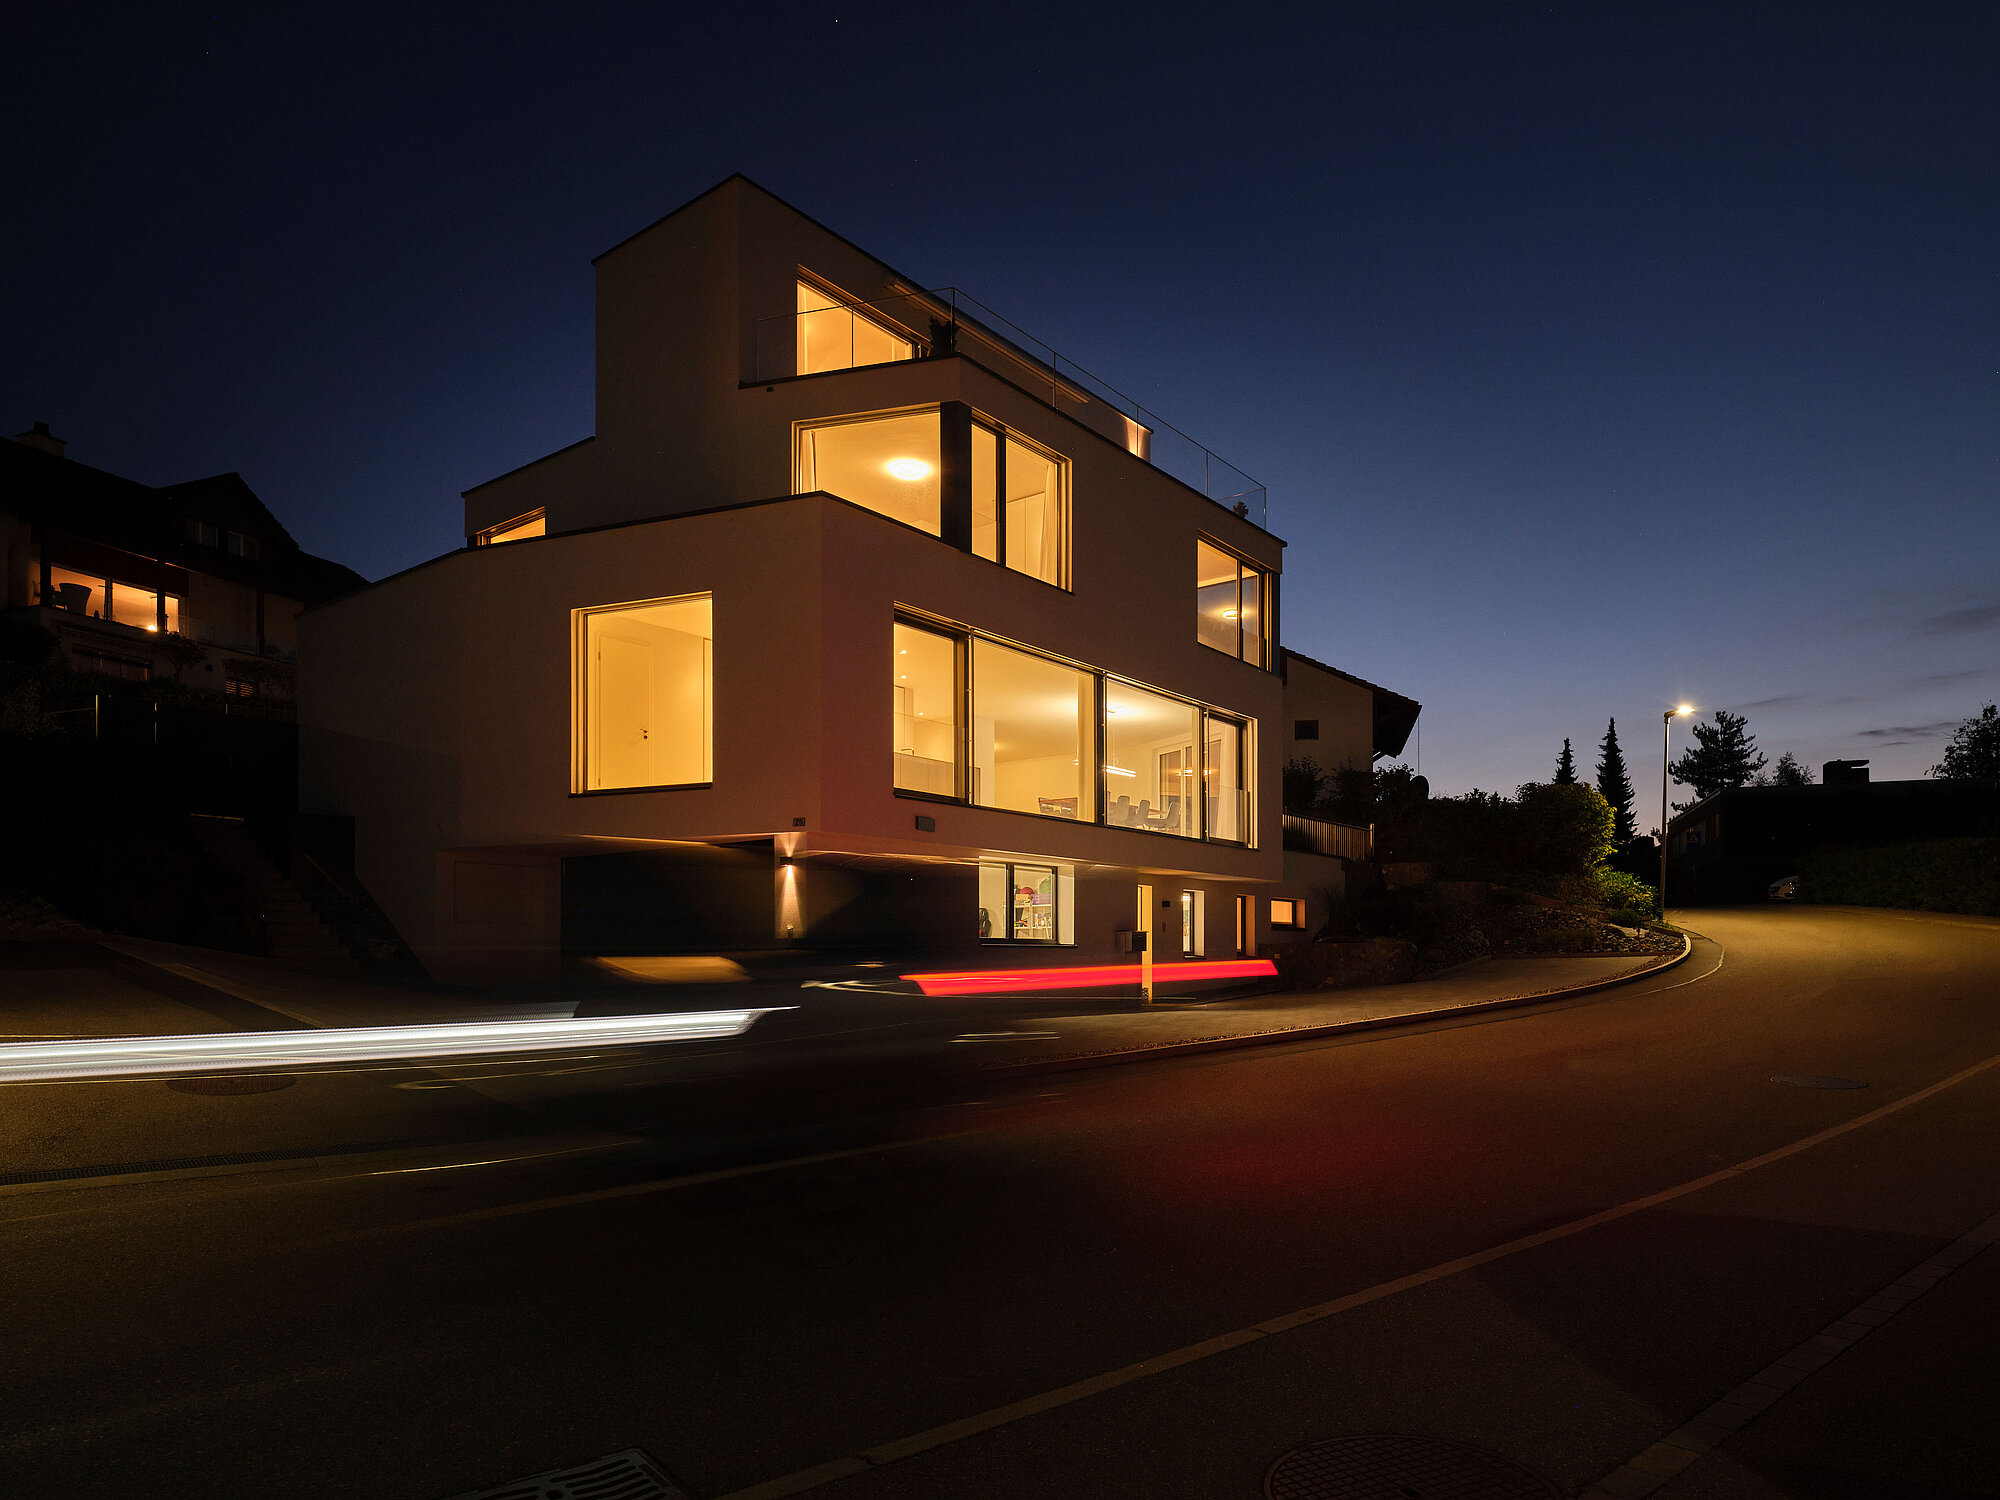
x=951 y=314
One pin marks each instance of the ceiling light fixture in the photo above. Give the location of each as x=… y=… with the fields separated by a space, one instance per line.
x=908 y=468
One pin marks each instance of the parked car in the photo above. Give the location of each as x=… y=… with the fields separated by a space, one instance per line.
x=1785 y=889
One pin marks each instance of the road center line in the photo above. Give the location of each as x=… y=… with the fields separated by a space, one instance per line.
x=999 y=1416
x=1722 y=1420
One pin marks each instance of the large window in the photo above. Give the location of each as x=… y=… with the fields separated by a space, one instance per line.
x=107 y=599
x=1033 y=734
x=648 y=701
x=836 y=335
x=927 y=695
x=1001 y=727
x=1150 y=760
x=1229 y=596
x=889 y=464
x=1019 y=505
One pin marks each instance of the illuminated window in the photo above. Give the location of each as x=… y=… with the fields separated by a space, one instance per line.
x=1026 y=904
x=647 y=699
x=1229 y=596
x=534 y=523
x=1150 y=760
x=927 y=695
x=108 y=599
x=1033 y=734
x=1288 y=913
x=889 y=464
x=1030 y=531
x=838 y=335
x=1226 y=799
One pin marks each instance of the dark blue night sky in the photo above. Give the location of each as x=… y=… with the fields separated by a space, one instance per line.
x=1594 y=356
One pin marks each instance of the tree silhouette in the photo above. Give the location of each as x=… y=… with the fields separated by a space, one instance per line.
x=1615 y=784
x=1788 y=772
x=1565 y=767
x=1724 y=756
x=1974 y=751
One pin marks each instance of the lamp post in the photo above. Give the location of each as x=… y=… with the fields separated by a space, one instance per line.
x=1666 y=738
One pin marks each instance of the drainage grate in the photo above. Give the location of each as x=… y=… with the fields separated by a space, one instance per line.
x=1817 y=1081
x=261 y=1083
x=1391 y=1466
x=629 y=1475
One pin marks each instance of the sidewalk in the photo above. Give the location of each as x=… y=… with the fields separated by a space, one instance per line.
x=1076 y=1041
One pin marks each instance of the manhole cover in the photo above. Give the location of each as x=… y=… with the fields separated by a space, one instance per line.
x=1817 y=1081
x=1389 y=1466
x=263 y=1083
x=629 y=1475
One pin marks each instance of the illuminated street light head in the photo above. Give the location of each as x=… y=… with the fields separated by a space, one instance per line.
x=1685 y=708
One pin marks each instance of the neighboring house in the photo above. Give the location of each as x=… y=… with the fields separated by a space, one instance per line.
x=112 y=568
x=1733 y=845
x=862 y=620
x=1339 y=721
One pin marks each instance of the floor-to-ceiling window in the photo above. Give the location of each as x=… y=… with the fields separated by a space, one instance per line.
x=927 y=696
x=1020 y=504
x=1033 y=733
x=1227 y=813
x=647 y=701
x=887 y=463
x=1150 y=760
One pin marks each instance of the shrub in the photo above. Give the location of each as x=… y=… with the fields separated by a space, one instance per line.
x=1627 y=899
x=1958 y=875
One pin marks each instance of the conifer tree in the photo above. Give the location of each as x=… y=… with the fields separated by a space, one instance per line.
x=1565 y=767
x=1615 y=785
x=1788 y=772
x=1724 y=756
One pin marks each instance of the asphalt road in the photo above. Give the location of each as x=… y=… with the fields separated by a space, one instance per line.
x=413 y=1330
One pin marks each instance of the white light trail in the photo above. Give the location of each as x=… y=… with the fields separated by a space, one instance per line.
x=275 y=1051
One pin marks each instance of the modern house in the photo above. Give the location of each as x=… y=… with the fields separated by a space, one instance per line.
x=863 y=620
x=114 y=569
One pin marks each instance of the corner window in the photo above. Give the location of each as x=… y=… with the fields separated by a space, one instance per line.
x=1229 y=603
x=889 y=464
x=1025 y=904
x=1226 y=810
x=647 y=701
x=534 y=523
x=834 y=334
x=1020 y=505
x=927 y=694
x=1033 y=734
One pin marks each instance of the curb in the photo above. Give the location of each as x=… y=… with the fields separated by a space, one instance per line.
x=1333 y=1028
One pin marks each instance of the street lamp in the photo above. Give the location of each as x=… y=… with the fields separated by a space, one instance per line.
x=1666 y=736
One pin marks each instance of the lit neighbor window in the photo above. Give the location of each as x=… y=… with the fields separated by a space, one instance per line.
x=647 y=698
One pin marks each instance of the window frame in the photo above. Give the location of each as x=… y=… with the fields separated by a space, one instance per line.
x=961 y=689
x=1265 y=591
x=854 y=307
x=1002 y=435
x=1094 y=739
x=1296 y=921
x=1009 y=866
x=496 y=536
x=580 y=698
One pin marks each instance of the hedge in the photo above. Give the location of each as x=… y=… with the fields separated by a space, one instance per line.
x=1956 y=875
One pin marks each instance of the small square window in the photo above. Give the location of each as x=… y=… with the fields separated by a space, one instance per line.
x=1288 y=913
x=1305 y=729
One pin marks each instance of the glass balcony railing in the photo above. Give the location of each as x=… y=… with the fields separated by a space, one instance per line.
x=946 y=322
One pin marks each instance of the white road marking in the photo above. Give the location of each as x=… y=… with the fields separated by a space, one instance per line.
x=999 y=1416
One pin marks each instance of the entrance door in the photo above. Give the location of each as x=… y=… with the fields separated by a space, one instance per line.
x=1192 y=913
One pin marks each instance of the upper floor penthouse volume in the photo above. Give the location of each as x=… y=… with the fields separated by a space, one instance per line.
x=833 y=330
